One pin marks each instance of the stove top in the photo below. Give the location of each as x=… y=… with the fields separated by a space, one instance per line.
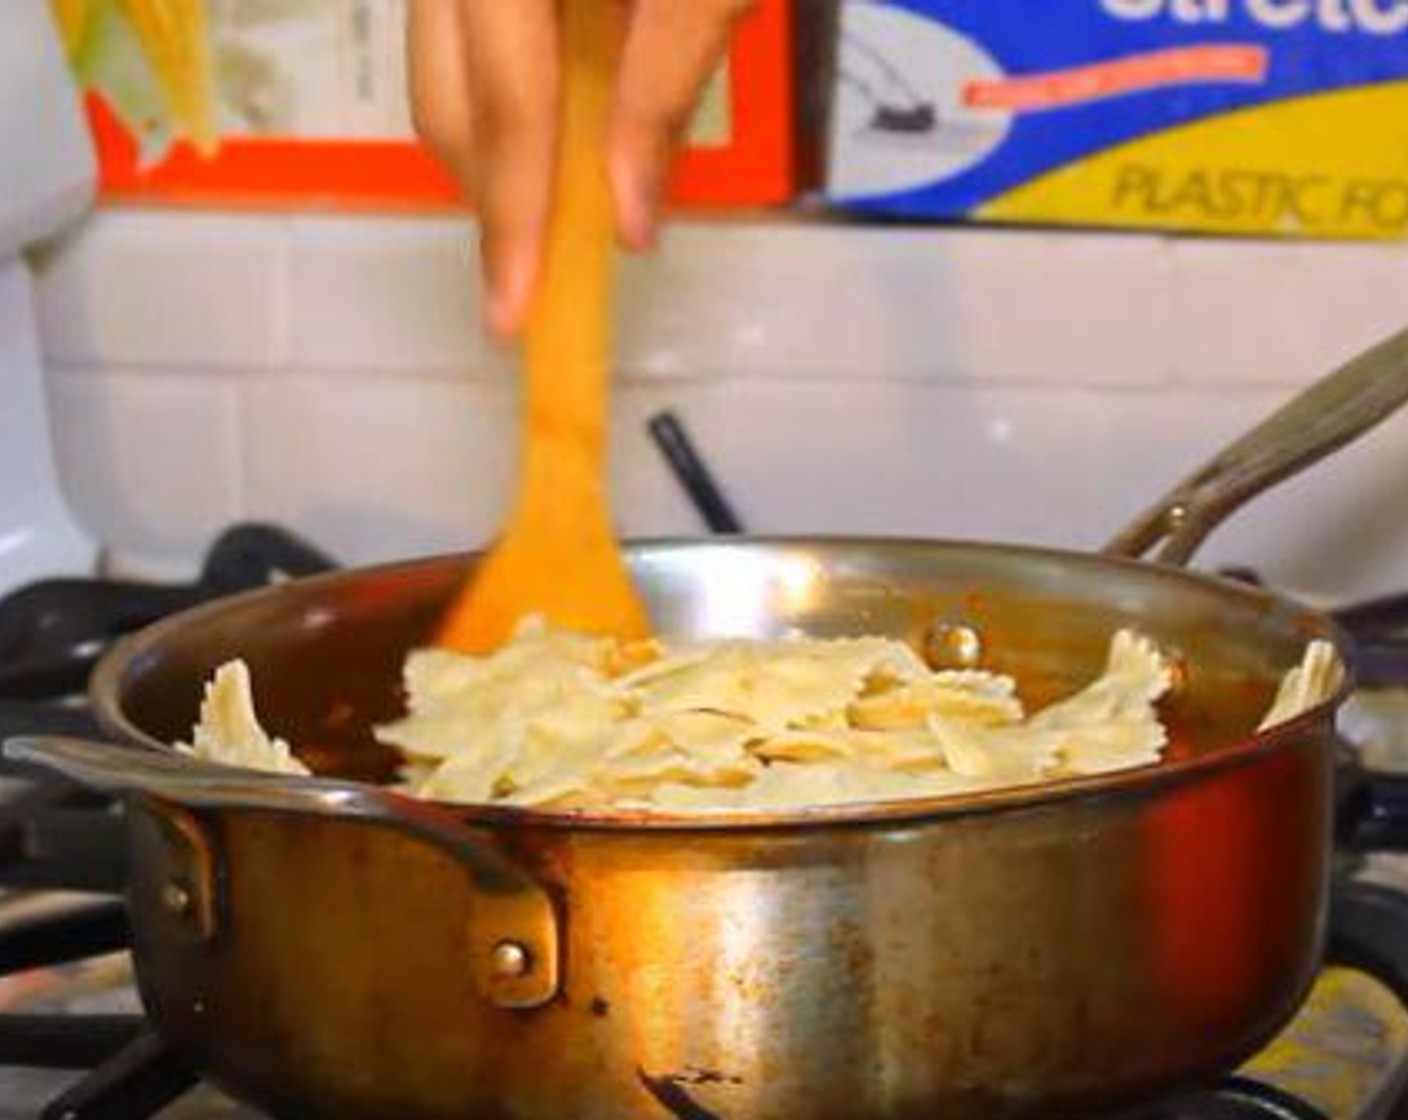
x=74 y=1044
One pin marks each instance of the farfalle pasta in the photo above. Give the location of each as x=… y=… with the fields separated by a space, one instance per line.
x=571 y=721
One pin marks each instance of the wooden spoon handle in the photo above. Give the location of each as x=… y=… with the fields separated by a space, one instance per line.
x=558 y=557
x=568 y=340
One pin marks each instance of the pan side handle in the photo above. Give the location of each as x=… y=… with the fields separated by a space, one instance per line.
x=515 y=954
x=1336 y=410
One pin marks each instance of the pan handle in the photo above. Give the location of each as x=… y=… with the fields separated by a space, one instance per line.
x=516 y=956
x=1321 y=420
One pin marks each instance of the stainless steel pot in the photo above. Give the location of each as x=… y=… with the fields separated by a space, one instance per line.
x=325 y=948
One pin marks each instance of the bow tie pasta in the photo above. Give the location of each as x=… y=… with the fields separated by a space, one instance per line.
x=561 y=720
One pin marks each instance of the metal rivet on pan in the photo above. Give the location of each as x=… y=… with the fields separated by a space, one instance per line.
x=177 y=899
x=953 y=645
x=511 y=960
x=1177 y=673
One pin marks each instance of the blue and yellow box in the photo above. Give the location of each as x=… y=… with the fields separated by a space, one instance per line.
x=1275 y=117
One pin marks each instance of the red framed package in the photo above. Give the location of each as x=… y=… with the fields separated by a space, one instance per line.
x=302 y=104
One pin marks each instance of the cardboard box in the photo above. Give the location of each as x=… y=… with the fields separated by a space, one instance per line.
x=1275 y=117
x=277 y=103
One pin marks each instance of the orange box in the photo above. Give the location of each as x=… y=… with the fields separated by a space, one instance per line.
x=156 y=145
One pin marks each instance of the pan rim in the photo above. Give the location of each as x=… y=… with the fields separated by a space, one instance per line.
x=106 y=687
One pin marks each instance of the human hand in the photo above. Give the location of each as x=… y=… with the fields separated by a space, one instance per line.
x=484 y=93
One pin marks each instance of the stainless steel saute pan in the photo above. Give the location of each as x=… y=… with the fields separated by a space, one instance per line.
x=327 y=949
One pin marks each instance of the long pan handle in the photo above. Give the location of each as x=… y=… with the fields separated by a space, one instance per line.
x=1321 y=420
x=515 y=909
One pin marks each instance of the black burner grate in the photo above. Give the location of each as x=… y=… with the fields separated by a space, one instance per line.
x=137 y=1081
x=1235 y=1099
x=53 y=632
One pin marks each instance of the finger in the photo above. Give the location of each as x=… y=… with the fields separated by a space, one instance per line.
x=439 y=84
x=672 y=50
x=511 y=62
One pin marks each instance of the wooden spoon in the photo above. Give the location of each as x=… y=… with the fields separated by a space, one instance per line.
x=558 y=556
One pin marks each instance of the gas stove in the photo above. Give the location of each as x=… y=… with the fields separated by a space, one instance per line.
x=75 y=1046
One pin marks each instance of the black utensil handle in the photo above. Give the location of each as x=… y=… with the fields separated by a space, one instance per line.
x=693 y=475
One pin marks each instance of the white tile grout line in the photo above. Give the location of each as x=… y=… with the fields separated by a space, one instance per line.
x=240 y=404
x=281 y=292
x=702 y=377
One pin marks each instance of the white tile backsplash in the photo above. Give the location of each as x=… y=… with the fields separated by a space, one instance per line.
x=1016 y=385
x=150 y=462
x=378 y=468
x=1338 y=529
x=1280 y=313
x=368 y=295
x=1021 y=464
x=984 y=306
x=383 y=468
x=186 y=292
x=908 y=459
